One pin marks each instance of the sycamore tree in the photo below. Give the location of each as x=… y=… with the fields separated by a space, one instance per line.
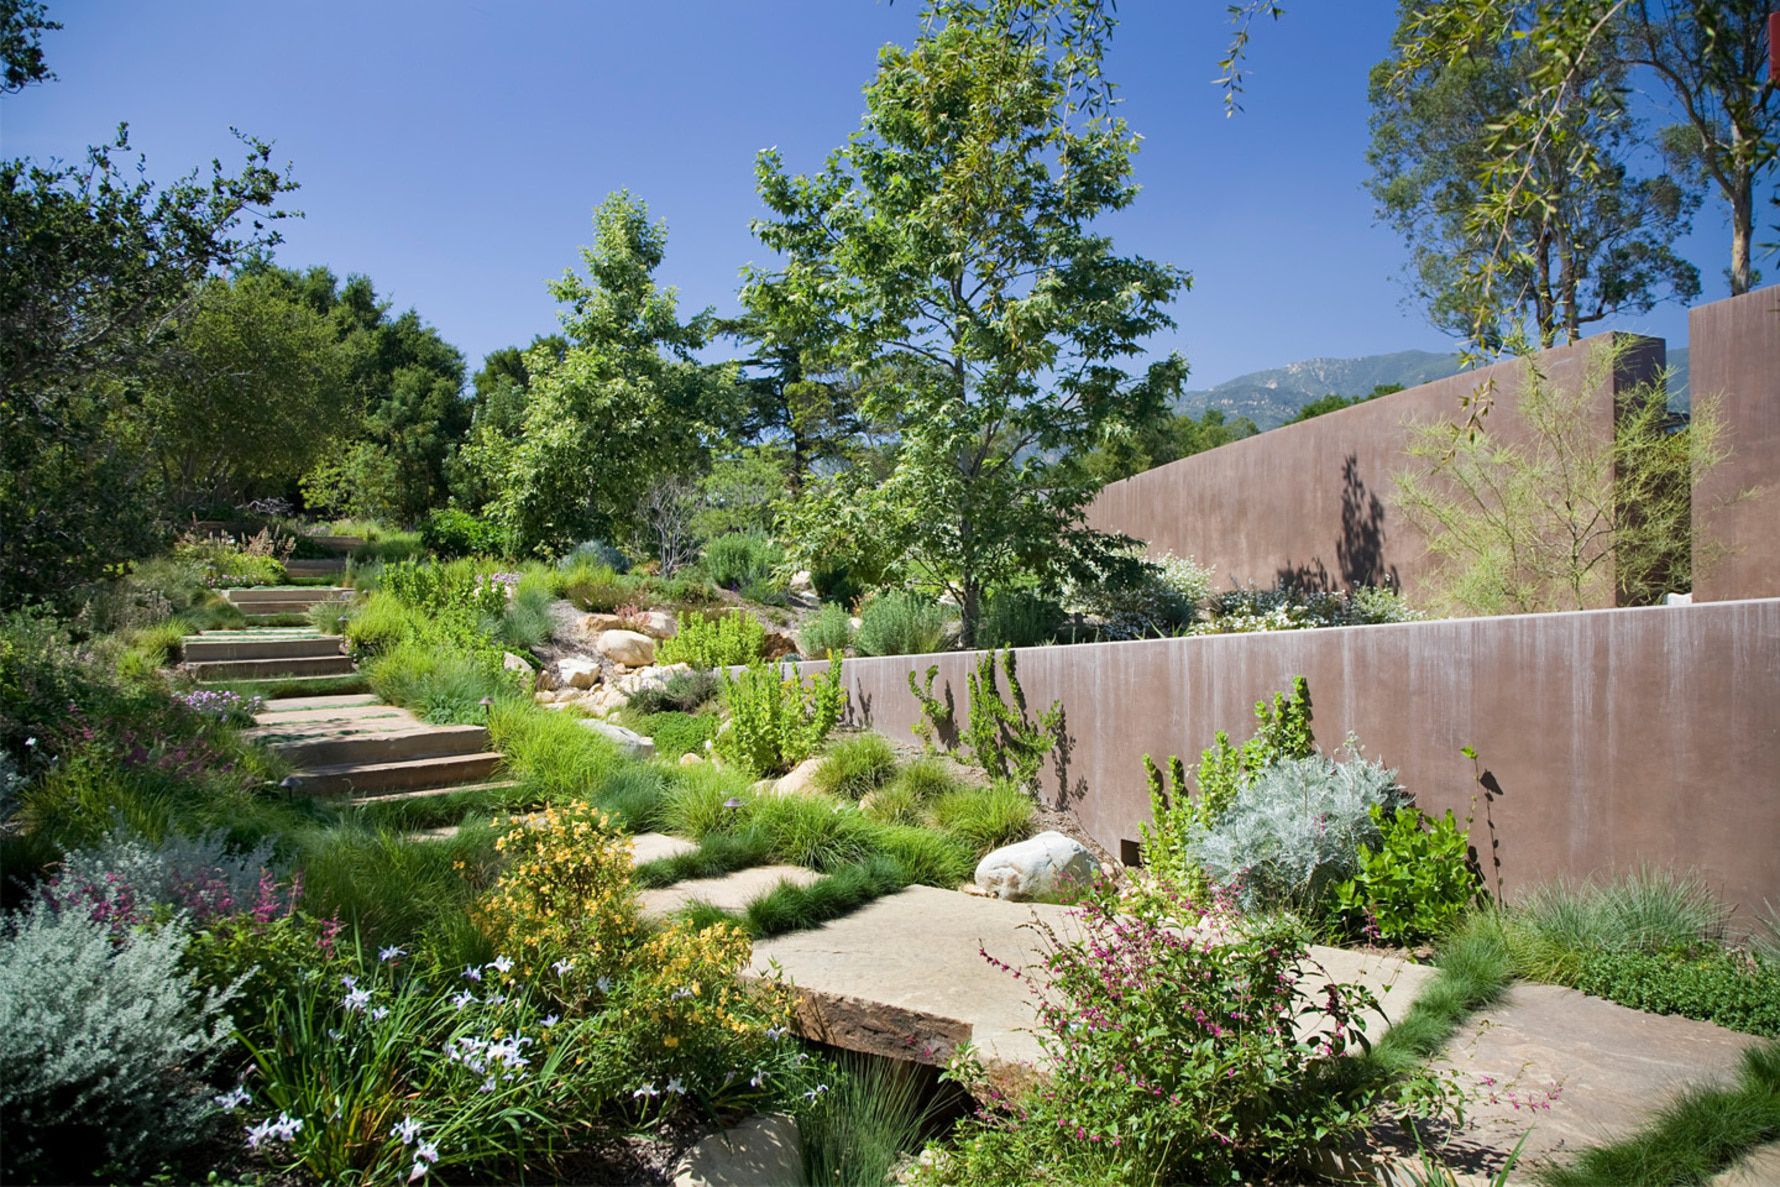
x=624 y=404
x=952 y=243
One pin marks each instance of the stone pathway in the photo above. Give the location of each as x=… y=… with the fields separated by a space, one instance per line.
x=1572 y=1071
x=732 y=892
x=264 y=653
x=903 y=977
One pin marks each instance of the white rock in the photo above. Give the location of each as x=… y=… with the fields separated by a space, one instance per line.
x=630 y=743
x=762 y=1151
x=1678 y=599
x=690 y=759
x=627 y=647
x=801 y=583
x=1041 y=865
x=543 y=696
x=514 y=663
x=576 y=671
x=658 y=624
x=799 y=780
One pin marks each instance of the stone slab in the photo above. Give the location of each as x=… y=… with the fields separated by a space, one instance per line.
x=732 y=892
x=905 y=977
x=1759 y=1168
x=762 y=1151
x=1575 y=1070
x=648 y=847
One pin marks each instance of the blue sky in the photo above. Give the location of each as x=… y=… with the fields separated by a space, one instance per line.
x=453 y=151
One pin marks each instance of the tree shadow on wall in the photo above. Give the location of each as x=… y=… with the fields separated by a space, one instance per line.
x=1360 y=549
x=1067 y=793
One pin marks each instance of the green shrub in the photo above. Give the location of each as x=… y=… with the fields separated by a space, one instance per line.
x=1019 y=618
x=107 y=1043
x=856 y=765
x=378 y=625
x=594 y=587
x=830 y=630
x=812 y=830
x=678 y=733
x=555 y=754
x=1416 y=883
x=899 y=623
x=1000 y=736
x=1156 y=1089
x=740 y=559
x=1146 y=597
x=1713 y=986
x=985 y=818
x=683 y=692
x=1294 y=831
x=839 y=582
x=449 y=532
x=765 y=592
x=727 y=640
x=776 y=721
x=443 y=685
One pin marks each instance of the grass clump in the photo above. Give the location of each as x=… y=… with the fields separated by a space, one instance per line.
x=856 y=765
x=443 y=685
x=634 y=796
x=830 y=630
x=720 y=854
x=874 y=1111
x=677 y=733
x=683 y=692
x=694 y=798
x=901 y=623
x=551 y=753
x=1698 y=1134
x=790 y=907
x=985 y=818
x=812 y=830
x=927 y=858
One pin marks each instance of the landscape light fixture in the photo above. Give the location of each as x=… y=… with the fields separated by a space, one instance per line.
x=732 y=803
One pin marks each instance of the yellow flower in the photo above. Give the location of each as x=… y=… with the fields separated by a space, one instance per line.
x=670 y=1041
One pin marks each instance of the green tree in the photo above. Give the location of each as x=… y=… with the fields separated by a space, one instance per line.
x=1335 y=403
x=1169 y=438
x=22 y=26
x=1562 y=519
x=502 y=390
x=623 y=406
x=246 y=396
x=1709 y=56
x=99 y=263
x=1598 y=240
x=954 y=232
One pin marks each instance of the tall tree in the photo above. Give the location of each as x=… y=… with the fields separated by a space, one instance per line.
x=1710 y=56
x=625 y=405
x=791 y=393
x=1598 y=240
x=955 y=232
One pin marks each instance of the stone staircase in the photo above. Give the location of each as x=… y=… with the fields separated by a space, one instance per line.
x=353 y=745
x=269 y=603
x=264 y=654
x=330 y=566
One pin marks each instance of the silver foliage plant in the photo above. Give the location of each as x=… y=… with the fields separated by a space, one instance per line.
x=1164 y=599
x=201 y=875
x=1295 y=829
x=107 y=1039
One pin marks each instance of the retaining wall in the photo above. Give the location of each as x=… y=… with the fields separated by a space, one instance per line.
x=1735 y=359
x=1312 y=503
x=1607 y=739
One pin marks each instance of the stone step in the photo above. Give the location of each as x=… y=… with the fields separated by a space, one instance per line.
x=428 y=793
x=732 y=892
x=291 y=723
x=354 y=747
x=276 y=620
x=249 y=645
x=340 y=544
x=648 y=847
x=270 y=669
x=325 y=567
x=260 y=611
x=348 y=700
x=291 y=686
x=306 y=594
x=411 y=774
x=904 y=977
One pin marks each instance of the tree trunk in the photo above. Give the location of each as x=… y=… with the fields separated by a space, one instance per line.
x=1742 y=217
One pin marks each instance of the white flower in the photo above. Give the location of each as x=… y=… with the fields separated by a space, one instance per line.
x=501 y=964
x=646 y=1090
x=495 y=999
x=674 y=1086
x=417 y=1171
x=488 y=1085
x=758 y=1079
x=379 y=1013
x=472 y=972
x=407 y=1129
x=813 y=1093
x=349 y=981
x=679 y=993
x=230 y=1101
x=550 y=1019
x=31 y=743
x=604 y=984
x=562 y=967
x=775 y=1033
x=256 y=1134
x=428 y=1151
x=358 y=999
x=390 y=953
x=463 y=999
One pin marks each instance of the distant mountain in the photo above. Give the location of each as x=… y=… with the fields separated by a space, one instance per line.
x=1272 y=397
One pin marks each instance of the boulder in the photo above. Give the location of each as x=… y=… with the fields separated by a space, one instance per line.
x=596 y=624
x=658 y=624
x=802 y=584
x=1038 y=866
x=627 y=647
x=765 y=1150
x=779 y=644
x=630 y=743
x=576 y=671
x=543 y=696
x=800 y=780
x=690 y=759
x=514 y=663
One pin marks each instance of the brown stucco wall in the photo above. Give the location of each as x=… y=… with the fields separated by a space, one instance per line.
x=1312 y=503
x=1613 y=738
x=1734 y=349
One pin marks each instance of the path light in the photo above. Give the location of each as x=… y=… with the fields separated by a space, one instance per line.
x=732 y=803
x=486 y=702
x=290 y=783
